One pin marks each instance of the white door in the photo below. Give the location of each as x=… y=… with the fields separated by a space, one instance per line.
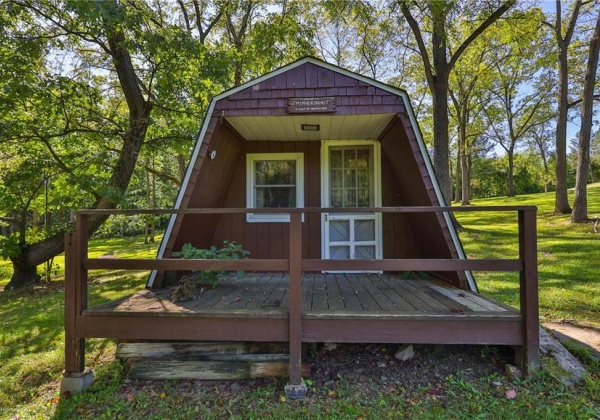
x=351 y=178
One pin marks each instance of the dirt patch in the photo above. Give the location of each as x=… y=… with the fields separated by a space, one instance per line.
x=582 y=334
x=376 y=364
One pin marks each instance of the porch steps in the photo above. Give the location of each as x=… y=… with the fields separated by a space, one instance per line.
x=205 y=360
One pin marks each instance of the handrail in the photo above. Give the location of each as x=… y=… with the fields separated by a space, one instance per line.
x=240 y=210
x=422 y=264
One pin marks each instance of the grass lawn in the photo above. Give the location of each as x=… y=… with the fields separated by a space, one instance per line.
x=568 y=255
x=32 y=341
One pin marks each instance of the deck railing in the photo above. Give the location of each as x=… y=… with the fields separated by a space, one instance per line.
x=78 y=263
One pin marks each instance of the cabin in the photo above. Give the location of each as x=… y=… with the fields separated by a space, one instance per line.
x=323 y=176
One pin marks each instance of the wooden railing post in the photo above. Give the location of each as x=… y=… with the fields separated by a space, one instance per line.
x=75 y=295
x=81 y=251
x=73 y=347
x=296 y=388
x=529 y=356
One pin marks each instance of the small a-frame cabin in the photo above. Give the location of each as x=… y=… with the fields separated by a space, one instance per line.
x=323 y=176
x=314 y=135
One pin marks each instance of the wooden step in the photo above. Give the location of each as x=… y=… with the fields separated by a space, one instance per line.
x=206 y=360
x=182 y=350
x=248 y=366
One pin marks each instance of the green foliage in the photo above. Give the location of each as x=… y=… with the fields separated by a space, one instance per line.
x=9 y=246
x=230 y=251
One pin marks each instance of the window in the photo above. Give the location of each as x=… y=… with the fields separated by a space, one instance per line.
x=350 y=174
x=274 y=180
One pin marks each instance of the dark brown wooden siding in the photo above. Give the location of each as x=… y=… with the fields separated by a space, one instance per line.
x=426 y=232
x=271 y=240
x=208 y=187
x=270 y=96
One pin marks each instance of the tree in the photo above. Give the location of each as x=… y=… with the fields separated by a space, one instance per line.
x=540 y=137
x=437 y=18
x=99 y=36
x=563 y=40
x=579 y=214
x=469 y=98
x=120 y=97
x=520 y=95
x=265 y=35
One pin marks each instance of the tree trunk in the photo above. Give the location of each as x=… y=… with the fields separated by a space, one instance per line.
x=181 y=166
x=458 y=176
x=466 y=179
x=511 y=169
x=439 y=91
x=24 y=274
x=587 y=112
x=561 y=204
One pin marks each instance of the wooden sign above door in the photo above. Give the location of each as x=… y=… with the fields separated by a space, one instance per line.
x=311 y=105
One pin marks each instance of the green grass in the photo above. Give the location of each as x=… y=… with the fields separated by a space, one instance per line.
x=568 y=255
x=32 y=336
x=32 y=341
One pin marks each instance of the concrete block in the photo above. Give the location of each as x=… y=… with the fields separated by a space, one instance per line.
x=75 y=383
x=296 y=392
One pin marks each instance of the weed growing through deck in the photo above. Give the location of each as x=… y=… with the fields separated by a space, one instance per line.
x=230 y=251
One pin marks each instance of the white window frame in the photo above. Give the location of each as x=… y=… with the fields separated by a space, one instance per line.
x=251 y=191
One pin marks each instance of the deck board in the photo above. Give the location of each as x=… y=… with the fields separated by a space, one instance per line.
x=319 y=299
x=351 y=301
x=335 y=298
x=408 y=294
x=435 y=298
x=356 y=295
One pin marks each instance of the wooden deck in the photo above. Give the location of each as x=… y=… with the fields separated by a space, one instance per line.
x=294 y=306
x=353 y=296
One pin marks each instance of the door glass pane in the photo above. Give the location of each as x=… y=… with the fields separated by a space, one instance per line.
x=363 y=197
x=349 y=178
x=339 y=252
x=362 y=178
x=336 y=178
x=364 y=252
x=337 y=198
x=351 y=172
x=339 y=230
x=349 y=198
x=364 y=230
x=350 y=158
x=362 y=158
x=336 y=159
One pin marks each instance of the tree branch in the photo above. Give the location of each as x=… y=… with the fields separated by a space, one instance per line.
x=186 y=18
x=163 y=175
x=490 y=19
x=578 y=101
x=421 y=44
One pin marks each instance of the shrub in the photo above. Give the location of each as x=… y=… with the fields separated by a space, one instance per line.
x=230 y=251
